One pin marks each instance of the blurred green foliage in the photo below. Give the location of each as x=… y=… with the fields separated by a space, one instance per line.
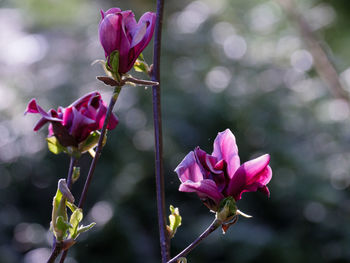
x=225 y=64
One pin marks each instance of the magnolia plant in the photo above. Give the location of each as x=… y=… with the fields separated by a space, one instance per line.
x=219 y=179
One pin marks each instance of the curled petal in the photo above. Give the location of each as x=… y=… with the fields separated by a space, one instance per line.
x=225 y=148
x=250 y=177
x=85 y=100
x=142 y=35
x=205 y=188
x=51 y=115
x=188 y=169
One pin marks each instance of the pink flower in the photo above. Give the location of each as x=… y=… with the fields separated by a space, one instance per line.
x=219 y=175
x=119 y=30
x=73 y=124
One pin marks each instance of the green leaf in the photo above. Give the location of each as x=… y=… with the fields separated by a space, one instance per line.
x=83 y=229
x=141 y=65
x=71 y=206
x=75 y=219
x=54 y=146
x=59 y=217
x=90 y=142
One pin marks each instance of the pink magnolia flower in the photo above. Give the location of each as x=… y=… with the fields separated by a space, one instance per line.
x=219 y=175
x=73 y=124
x=119 y=30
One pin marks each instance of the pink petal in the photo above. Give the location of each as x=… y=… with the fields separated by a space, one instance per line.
x=205 y=188
x=225 y=148
x=250 y=177
x=112 y=10
x=110 y=32
x=188 y=169
x=149 y=20
x=52 y=115
x=80 y=128
x=83 y=101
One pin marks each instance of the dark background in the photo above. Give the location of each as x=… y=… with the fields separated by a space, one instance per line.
x=225 y=64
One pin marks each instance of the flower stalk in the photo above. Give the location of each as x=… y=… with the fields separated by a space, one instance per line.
x=157 y=119
x=212 y=227
x=99 y=147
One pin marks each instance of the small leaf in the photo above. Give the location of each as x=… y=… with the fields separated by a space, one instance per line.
x=75 y=219
x=54 y=145
x=83 y=229
x=71 y=206
x=141 y=65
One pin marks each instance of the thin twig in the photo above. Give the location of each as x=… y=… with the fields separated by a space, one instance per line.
x=97 y=155
x=213 y=226
x=157 y=119
x=323 y=65
x=99 y=146
x=55 y=252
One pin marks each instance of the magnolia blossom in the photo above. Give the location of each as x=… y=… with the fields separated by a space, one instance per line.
x=219 y=175
x=73 y=124
x=119 y=30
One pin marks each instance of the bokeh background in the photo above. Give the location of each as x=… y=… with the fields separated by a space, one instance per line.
x=232 y=64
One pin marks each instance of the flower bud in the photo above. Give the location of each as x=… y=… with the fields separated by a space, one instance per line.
x=120 y=32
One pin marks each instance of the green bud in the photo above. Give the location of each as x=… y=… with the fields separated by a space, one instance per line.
x=174 y=220
x=76 y=174
x=59 y=220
